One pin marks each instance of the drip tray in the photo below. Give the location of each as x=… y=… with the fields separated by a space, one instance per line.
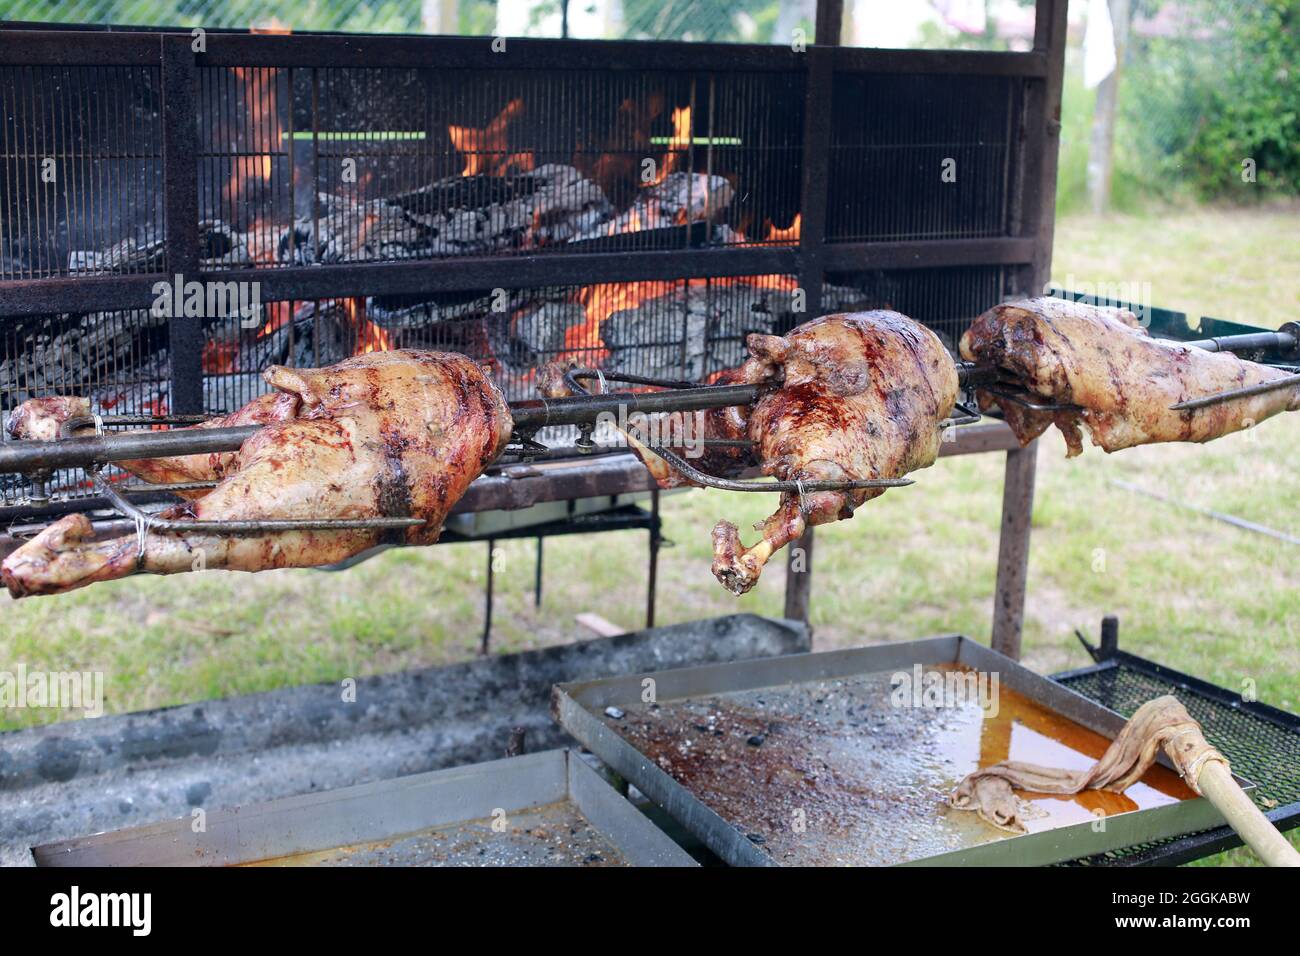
x=847 y=757
x=543 y=809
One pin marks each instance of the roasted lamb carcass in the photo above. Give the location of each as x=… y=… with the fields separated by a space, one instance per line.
x=1119 y=380
x=391 y=434
x=862 y=396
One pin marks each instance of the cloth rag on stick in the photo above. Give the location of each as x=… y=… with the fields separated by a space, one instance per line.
x=1159 y=723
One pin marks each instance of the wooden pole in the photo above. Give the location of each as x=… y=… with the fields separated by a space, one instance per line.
x=1216 y=784
x=1208 y=773
x=1013 y=550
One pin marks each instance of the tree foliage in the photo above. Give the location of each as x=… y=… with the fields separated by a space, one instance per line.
x=1227 y=92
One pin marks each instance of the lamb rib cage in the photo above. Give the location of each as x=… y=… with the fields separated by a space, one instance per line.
x=486 y=206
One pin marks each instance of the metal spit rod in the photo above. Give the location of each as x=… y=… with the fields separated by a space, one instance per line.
x=530 y=415
x=25 y=457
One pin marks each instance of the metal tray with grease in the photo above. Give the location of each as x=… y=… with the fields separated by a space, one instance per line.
x=846 y=758
x=543 y=809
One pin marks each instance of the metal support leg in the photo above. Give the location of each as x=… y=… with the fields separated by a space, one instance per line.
x=537 y=576
x=487 y=603
x=656 y=539
x=1013 y=550
x=798 y=577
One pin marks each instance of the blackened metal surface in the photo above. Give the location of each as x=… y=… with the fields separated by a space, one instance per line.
x=181 y=218
x=83 y=776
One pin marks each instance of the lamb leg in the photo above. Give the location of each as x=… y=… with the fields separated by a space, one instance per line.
x=738 y=568
x=277 y=477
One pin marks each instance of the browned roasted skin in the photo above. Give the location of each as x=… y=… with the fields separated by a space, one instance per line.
x=40 y=419
x=1124 y=381
x=392 y=434
x=730 y=423
x=863 y=397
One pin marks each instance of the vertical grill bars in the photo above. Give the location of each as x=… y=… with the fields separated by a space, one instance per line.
x=302 y=162
x=80 y=171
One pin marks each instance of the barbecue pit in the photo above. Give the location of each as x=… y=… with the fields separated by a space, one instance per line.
x=638 y=207
x=178 y=218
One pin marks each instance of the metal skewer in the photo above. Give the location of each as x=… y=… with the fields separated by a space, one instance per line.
x=730 y=484
x=1022 y=398
x=28 y=456
x=1246 y=391
x=253 y=526
x=687 y=470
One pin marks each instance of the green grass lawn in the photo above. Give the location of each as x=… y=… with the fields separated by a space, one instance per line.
x=1194 y=593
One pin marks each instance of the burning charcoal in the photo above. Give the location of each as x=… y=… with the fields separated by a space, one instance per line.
x=680 y=199
x=460 y=215
x=323 y=334
x=225 y=393
x=219 y=245
x=710 y=321
x=68 y=353
x=129 y=254
x=541 y=332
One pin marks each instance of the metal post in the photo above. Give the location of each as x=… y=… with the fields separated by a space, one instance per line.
x=1109 y=637
x=829 y=22
x=1013 y=550
x=537 y=575
x=1040 y=145
x=812 y=238
x=656 y=540
x=1034 y=219
x=180 y=151
x=485 y=641
x=798 y=577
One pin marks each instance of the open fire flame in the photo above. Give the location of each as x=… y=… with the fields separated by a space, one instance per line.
x=484 y=151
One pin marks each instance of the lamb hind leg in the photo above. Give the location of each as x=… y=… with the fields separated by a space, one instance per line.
x=738 y=568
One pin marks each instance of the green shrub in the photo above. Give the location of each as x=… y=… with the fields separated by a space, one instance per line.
x=1195 y=107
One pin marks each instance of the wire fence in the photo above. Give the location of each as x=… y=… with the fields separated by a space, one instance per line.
x=756 y=21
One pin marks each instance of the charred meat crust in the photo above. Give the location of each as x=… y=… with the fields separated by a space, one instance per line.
x=1123 y=380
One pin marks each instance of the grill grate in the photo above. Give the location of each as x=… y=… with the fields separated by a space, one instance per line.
x=684 y=329
x=530 y=190
x=80 y=181
x=946 y=300
x=1264 y=751
x=889 y=145
x=389 y=164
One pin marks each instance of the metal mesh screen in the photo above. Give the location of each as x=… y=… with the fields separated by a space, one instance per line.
x=684 y=329
x=947 y=300
x=1263 y=752
x=361 y=165
x=921 y=157
x=80 y=180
